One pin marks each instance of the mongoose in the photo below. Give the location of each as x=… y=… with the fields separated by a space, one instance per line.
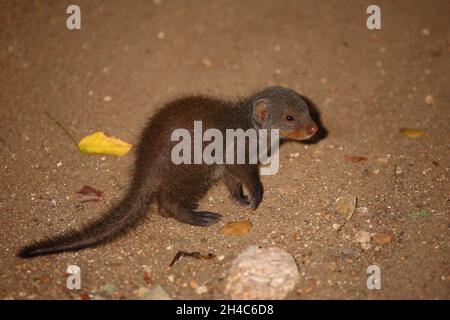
x=176 y=189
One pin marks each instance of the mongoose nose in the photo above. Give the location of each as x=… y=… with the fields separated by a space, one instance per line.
x=313 y=129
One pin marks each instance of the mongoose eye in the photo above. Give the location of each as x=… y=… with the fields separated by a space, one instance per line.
x=289 y=118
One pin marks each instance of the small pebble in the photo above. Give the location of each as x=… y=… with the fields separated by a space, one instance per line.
x=158 y=293
x=207 y=63
x=201 y=290
x=346 y=205
x=362 y=210
x=425 y=32
x=385 y=159
x=429 y=99
x=262 y=273
x=363 y=238
x=193 y=284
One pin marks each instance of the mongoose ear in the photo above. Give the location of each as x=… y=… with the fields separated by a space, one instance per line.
x=260 y=110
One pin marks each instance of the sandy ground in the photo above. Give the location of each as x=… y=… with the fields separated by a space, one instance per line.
x=366 y=84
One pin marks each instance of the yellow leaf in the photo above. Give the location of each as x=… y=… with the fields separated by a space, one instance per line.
x=99 y=143
x=412 y=133
x=236 y=228
x=382 y=238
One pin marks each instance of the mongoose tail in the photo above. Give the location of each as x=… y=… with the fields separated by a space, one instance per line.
x=118 y=220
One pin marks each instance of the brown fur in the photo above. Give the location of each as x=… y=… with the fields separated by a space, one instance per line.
x=178 y=188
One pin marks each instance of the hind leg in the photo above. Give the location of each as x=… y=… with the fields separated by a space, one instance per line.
x=189 y=216
x=185 y=212
x=161 y=207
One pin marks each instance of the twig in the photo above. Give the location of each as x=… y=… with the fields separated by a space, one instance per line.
x=196 y=255
x=67 y=132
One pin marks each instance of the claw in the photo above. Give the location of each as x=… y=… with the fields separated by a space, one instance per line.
x=205 y=218
x=254 y=202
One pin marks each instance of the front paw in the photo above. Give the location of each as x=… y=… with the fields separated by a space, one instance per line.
x=242 y=200
x=255 y=200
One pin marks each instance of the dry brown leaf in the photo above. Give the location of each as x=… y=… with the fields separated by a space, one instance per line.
x=196 y=255
x=296 y=236
x=382 y=239
x=236 y=228
x=89 y=193
x=355 y=159
x=148 y=278
x=85 y=296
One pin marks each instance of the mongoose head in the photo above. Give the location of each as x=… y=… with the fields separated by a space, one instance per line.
x=283 y=109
